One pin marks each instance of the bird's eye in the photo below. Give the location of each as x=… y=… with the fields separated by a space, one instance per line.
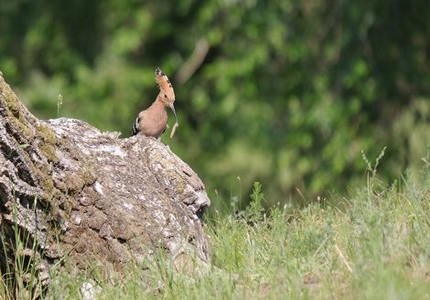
x=165 y=96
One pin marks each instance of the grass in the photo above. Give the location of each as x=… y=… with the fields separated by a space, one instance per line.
x=372 y=244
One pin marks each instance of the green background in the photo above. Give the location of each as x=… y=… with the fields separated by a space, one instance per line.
x=287 y=93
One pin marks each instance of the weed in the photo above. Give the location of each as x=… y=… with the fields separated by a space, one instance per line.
x=59 y=104
x=20 y=258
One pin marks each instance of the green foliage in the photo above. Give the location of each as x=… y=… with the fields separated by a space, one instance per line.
x=288 y=92
x=255 y=212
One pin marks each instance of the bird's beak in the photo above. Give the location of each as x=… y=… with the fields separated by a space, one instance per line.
x=172 y=107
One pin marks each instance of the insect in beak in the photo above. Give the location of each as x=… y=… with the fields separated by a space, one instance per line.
x=172 y=133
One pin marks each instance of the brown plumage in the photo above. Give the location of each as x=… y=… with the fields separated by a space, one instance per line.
x=153 y=120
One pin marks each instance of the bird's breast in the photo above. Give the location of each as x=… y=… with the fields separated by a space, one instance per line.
x=154 y=123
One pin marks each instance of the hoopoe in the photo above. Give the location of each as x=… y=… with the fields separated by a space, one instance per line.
x=153 y=120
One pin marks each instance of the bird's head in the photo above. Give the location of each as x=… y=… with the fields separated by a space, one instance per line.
x=167 y=94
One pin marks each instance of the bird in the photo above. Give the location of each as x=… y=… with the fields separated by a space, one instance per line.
x=152 y=122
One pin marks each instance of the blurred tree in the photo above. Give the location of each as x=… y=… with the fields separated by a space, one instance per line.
x=284 y=92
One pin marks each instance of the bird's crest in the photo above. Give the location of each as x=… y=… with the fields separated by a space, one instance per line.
x=166 y=89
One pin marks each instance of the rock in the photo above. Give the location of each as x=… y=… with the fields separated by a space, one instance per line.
x=79 y=193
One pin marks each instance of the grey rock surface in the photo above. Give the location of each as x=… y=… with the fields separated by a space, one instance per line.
x=90 y=196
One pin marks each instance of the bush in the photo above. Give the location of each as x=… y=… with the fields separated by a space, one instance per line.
x=287 y=94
